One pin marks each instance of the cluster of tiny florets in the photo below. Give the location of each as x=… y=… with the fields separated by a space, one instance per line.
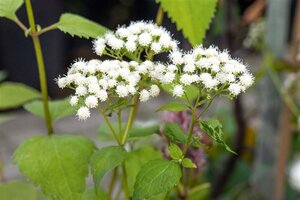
x=210 y=69
x=137 y=37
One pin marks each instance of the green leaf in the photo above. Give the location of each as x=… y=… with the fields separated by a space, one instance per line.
x=135 y=160
x=79 y=26
x=174 y=133
x=175 y=152
x=188 y=163
x=155 y=177
x=143 y=131
x=191 y=16
x=214 y=129
x=16 y=190
x=8 y=8
x=58 y=108
x=90 y=194
x=174 y=106
x=104 y=160
x=57 y=163
x=13 y=95
x=199 y=192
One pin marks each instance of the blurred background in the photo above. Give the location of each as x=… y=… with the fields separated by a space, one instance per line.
x=262 y=126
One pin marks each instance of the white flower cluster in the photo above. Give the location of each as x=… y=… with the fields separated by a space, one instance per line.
x=96 y=81
x=137 y=37
x=210 y=69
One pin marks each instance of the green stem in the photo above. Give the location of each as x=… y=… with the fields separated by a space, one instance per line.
x=20 y=24
x=130 y=120
x=120 y=121
x=41 y=66
x=48 y=28
x=109 y=125
x=125 y=182
x=112 y=183
x=159 y=16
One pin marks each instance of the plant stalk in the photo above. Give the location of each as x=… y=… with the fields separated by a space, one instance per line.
x=130 y=120
x=125 y=182
x=41 y=66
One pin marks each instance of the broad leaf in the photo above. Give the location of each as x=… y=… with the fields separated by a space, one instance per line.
x=135 y=160
x=79 y=26
x=191 y=16
x=156 y=177
x=13 y=95
x=174 y=133
x=57 y=163
x=90 y=194
x=188 y=163
x=104 y=160
x=58 y=108
x=16 y=190
x=174 y=106
x=214 y=129
x=175 y=152
x=8 y=8
x=143 y=131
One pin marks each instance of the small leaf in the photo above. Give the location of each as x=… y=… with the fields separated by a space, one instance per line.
x=79 y=26
x=175 y=152
x=191 y=16
x=188 y=163
x=143 y=131
x=156 y=177
x=57 y=163
x=174 y=133
x=174 y=106
x=104 y=160
x=214 y=129
x=16 y=190
x=136 y=159
x=58 y=108
x=8 y=8
x=13 y=95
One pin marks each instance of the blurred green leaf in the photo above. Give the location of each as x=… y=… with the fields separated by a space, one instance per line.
x=76 y=25
x=90 y=194
x=136 y=159
x=8 y=8
x=188 y=163
x=174 y=133
x=200 y=192
x=57 y=163
x=174 y=106
x=175 y=152
x=13 y=95
x=16 y=190
x=191 y=16
x=143 y=131
x=104 y=160
x=58 y=108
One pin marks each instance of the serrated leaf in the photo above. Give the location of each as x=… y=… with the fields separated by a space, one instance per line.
x=191 y=16
x=79 y=26
x=16 y=190
x=174 y=133
x=188 y=163
x=104 y=160
x=143 y=131
x=214 y=129
x=175 y=152
x=57 y=163
x=13 y=95
x=58 y=108
x=156 y=177
x=174 y=106
x=8 y=8
x=135 y=160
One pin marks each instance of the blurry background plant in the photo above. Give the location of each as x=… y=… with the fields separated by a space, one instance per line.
x=251 y=174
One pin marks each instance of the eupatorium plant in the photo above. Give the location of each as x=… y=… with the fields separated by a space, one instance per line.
x=131 y=76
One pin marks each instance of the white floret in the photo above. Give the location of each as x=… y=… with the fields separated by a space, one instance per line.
x=74 y=101
x=122 y=91
x=131 y=45
x=62 y=82
x=234 y=89
x=81 y=90
x=144 y=95
x=186 y=79
x=145 y=39
x=246 y=80
x=154 y=90
x=178 y=91
x=176 y=57
x=102 y=95
x=91 y=101
x=156 y=47
x=83 y=113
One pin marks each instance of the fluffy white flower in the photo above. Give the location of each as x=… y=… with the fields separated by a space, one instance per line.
x=176 y=57
x=94 y=88
x=123 y=32
x=186 y=79
x=83 y=113
x=81 y=90
x=234 y=89
x=91 y=101
x=131 y=45
x=145 y=39
x=103 y=83
x=122 y=91
x=74 y=100
x=168 y=77
x=62 y=82
x=99 y=46
x=154 y=90
x=178 y=91
x=156 y=47
x=189 y=68
x=115 y=43
x=165 y=40
x=102 y=95
x=172 y=68
x=246 y=80
x=144 y=95
x=131 y=89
